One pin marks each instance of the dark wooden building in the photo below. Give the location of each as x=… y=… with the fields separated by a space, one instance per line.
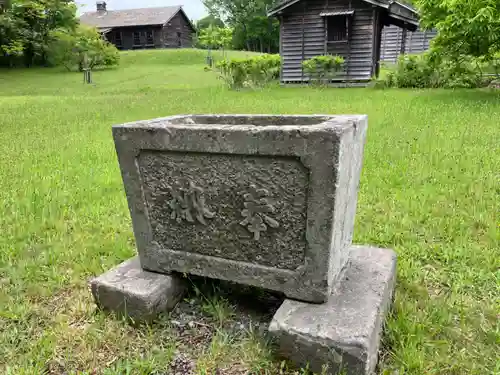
x=397 y=41
x=3 y=5
x=348 y=28
x=166 y=27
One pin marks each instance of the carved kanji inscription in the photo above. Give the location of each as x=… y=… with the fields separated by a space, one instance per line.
x=257 y=211
x=188 y=203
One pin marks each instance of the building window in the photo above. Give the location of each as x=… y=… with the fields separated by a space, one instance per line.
x=118 y=39
x=337 y=28
x=179 y=39
x=137 y=38
x=150 y=38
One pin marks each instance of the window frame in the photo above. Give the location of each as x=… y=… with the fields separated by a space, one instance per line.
x=147 y=34
x=179 y=39
x=347 y=15
x=138 y=34
x=118 y=39
x=336 y=30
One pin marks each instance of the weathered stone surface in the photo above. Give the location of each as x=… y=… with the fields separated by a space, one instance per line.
x=130 y=291
x=262 y=200
x=344 y=333
x=225 y=180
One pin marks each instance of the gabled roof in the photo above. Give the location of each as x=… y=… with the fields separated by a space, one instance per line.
x=395 y=9
x=132 y=17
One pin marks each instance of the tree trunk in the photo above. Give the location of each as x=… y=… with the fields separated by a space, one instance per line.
x=246 y=36
x=269 y=34
x=29 y=55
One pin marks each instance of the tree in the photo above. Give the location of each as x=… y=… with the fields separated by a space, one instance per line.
x=26 y=27
x=215 y=37
x=242 y=14
x=11 y=39
x=465 y=27
x=82 y=49
x=262 y=35
x=208 y=21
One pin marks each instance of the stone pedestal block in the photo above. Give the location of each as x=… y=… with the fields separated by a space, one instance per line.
x=344 y=333
x=261 y=200
x=130 y=291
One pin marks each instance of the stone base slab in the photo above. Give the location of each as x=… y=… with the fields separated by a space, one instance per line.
x=128 y=290
x=344 y=333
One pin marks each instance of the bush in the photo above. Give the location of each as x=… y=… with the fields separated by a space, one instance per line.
x=495 y=65
x=495 y=84
x=430 y=70
x=263 y=69
x=413 y=71
x=251 y=72
x=108 y=56
x=321 y=69
x=82 y=49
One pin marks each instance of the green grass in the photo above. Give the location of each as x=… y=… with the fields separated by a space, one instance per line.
x=430 y=190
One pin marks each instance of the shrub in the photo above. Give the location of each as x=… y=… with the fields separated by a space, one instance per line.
x=82 y=49
x=253 y=72
x=495 y=65
x=430 y=70
x=232 y=72
x=413 y=71
x=494 y=84
x=263 y=69
x=321 y=69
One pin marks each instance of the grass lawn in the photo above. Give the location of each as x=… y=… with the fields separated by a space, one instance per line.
x=430 y=190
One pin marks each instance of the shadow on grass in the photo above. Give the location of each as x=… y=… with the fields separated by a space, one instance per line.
x=247 y=302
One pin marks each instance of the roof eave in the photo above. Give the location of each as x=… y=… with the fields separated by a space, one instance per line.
x=171 y=16
x=406 y=6
x=411 y=17
x=405 y=19
x=121 y=26
x=280 y=7
x=380 y=4
x=185 y=15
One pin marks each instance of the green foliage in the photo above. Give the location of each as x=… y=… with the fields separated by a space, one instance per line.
x=259 y=34
x=495 y=84
x=431 y=70
x=11 y=39
x=321 y=69
x=82 y=49
x=465 y=27
x=253 y=30
x=214 y=37
x=264 y=68
x=251 y=72
x=495 y=64
x=208 y=21
x=26 y=29
x=411 y=71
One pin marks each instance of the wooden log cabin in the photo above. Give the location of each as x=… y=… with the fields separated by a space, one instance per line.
x=348 y=28
x=166 y=27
